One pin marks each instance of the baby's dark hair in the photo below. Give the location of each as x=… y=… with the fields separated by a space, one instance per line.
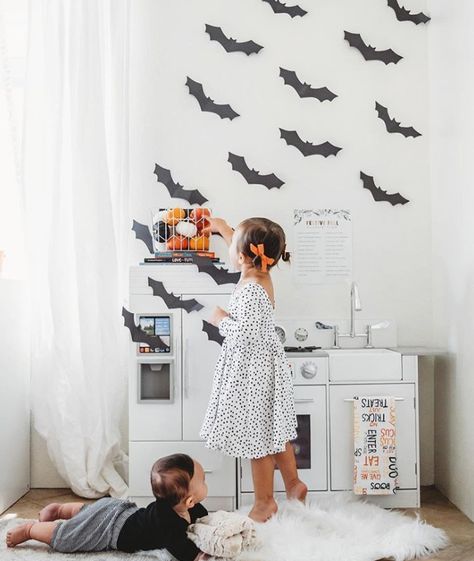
x=171 y=476
x=262 y=231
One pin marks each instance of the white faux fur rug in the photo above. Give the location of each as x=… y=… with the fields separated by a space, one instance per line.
x=330 y=528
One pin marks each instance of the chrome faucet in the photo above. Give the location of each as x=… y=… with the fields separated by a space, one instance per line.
x=355 y=307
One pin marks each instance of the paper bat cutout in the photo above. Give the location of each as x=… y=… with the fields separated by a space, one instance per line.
x=280 y=8
x=212 y=332
x=370 y=53
x=325 y=149
x=171 y=300
x=303 y=89
x=219 y=274
x=232 y=45
x=193 y=196
x=392 y=125
x=142 y=232
x=404 y=15
x=139 y=336
x=207 y=104
x=252 y=176
x=379 y=194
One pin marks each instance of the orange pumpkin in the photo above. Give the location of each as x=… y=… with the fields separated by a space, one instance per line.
x=174 y=215
x=199 y=243
x=177 y=243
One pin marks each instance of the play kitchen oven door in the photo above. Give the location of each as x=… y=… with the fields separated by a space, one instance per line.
x=310 y=445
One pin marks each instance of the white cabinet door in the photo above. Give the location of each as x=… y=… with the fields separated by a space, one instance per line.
x=199 y=361
x=310 y=446
x=14 y=393
x=341 y=432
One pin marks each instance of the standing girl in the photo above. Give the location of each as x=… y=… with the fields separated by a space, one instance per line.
x=251 y=412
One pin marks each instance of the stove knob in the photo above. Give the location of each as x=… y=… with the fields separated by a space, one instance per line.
x=309 y=370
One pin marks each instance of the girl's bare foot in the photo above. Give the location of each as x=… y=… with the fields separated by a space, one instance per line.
x=49 y=513
x=263 y=510
x=297 y=491
x=19 y=534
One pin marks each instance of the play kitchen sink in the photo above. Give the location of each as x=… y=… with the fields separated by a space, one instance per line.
x=364 y=364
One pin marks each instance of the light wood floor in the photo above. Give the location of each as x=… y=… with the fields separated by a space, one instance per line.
x=436 y=510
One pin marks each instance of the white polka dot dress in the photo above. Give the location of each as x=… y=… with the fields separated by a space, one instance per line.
x=251 y=412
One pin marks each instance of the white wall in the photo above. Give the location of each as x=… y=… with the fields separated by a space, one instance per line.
x=392 y=245
x=452 y=122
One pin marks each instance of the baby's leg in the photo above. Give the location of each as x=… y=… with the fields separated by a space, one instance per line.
x=263 y=470
x=40 y=531
x=57 y=511
x=286 y=462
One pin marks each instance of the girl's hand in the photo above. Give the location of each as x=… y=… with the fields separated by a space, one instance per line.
x=218 y=226
x=217 y=316
x=214 y=225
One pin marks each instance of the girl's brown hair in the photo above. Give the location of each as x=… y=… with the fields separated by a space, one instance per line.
x=262 y=231
x=171 y=476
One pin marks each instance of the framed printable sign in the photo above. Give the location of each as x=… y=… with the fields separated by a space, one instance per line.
x=322 y=246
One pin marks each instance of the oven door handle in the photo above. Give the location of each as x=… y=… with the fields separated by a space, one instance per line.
x=305 y=400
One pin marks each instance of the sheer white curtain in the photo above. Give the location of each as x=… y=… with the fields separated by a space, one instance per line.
x=75 y=174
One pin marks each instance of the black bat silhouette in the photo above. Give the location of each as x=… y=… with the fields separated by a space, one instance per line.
x=404 y=15
x=193 y=196
x=232 y=45
x=325 y=149
x=142 y=233
x=392 y=125
x=252 y=176
x=171 y=300
x=139 y=336
x=379 y=194
x=303 y=89
x=280 y=8
x=218 y=274
x=212 y=332
x=370 y=53
x=207 y=104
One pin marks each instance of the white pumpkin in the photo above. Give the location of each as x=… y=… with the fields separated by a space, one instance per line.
x=187 y=229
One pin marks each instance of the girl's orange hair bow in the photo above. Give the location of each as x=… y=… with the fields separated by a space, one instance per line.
x=259 y=250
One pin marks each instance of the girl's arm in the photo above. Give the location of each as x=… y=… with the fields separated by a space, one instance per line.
x=246 y=329
x=219 y=226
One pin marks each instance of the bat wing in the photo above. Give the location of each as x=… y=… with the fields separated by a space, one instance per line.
x=212 y=332
x=404 y=15
x=142 y=233
x=218 y=274
x=252 y=176
x=369 y=52
x=138 y=335
x=171 y=300
x=325 y=149
x=280 y=8
x=231 y=45
x=207 y=104
x=379 y=194
x=248 y=47
x=392 y=125
x=305 y=90
x=193 y=196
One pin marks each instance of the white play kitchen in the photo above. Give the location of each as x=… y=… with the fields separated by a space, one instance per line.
x=170 y=387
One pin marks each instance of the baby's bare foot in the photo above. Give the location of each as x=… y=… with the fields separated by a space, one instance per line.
x=19 y=534
x=263 y=510
x=297 y=491
x=49 y=513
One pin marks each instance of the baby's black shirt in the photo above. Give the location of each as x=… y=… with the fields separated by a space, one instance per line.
x=159 y=526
